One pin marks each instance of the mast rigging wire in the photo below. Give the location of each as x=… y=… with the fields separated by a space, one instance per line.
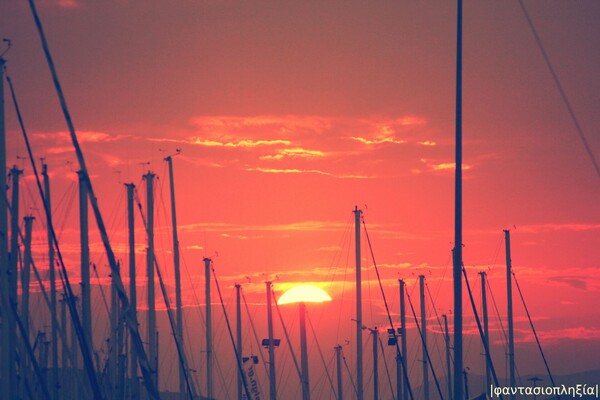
x=387 y=310
x=349 y=373
x=38 y=372
x=437 y=383
x=178 y=345
x=43 y=290
x=561 y=91
x=537 y=339
x=262 y=357
x=437 y=317
x=321 y=354
x=237 y=356
x=287 y=337
x=387 y=371
x=485 y=343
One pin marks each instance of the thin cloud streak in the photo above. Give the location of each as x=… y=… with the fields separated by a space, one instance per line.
x=307 y=171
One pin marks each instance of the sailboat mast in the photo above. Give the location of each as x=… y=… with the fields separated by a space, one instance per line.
x=86 y=288
x=63 y=327
x=272 y=382
x=338 y=363
x=457 y=252
x=359 y=353
x=178 y=302
x=424 y=337
x=113 y=350
x=8 y=356
x=209 y=356
x=511 y=334
x=403 y=338
x=398 y=374
x=486 y=331
x=135 y=389
x=238 y=317
x=74 y=347
x=304 y=352
x=448 y=365
x=26 y=275
x=52 y=271
x=152 y=351
x=209 y=383
x=375 y=333
x=13 y=259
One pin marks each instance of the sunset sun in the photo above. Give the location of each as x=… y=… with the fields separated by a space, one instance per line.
x=304 y=293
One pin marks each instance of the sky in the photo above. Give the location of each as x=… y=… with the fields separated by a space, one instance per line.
x=287 y=115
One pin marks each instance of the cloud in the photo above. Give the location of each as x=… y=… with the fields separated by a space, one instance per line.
x=443 y=166
x=305 y=171
x=329 y=248
x=58 y=150
x=296 y=152
x=384 y=134
x=300 y=226
x=68 y=3
x=242 y=143
x=60 y=3
x=559 y=335
x=241 y=237
x=378 y=140
x=82 y=136
x=386 y=130
x=281 y=123
x=553 y=227
x=573 y=281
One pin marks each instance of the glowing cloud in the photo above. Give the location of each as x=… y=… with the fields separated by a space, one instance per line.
x=301 y=171
x=295 y=152
x=379 y=141
x=241 y=143
x=448 y=166
x=304 y=294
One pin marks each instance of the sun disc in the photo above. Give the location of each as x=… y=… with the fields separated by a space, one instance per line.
x=304 y=294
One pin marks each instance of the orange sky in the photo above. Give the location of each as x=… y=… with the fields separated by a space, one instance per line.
x=290 y=114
